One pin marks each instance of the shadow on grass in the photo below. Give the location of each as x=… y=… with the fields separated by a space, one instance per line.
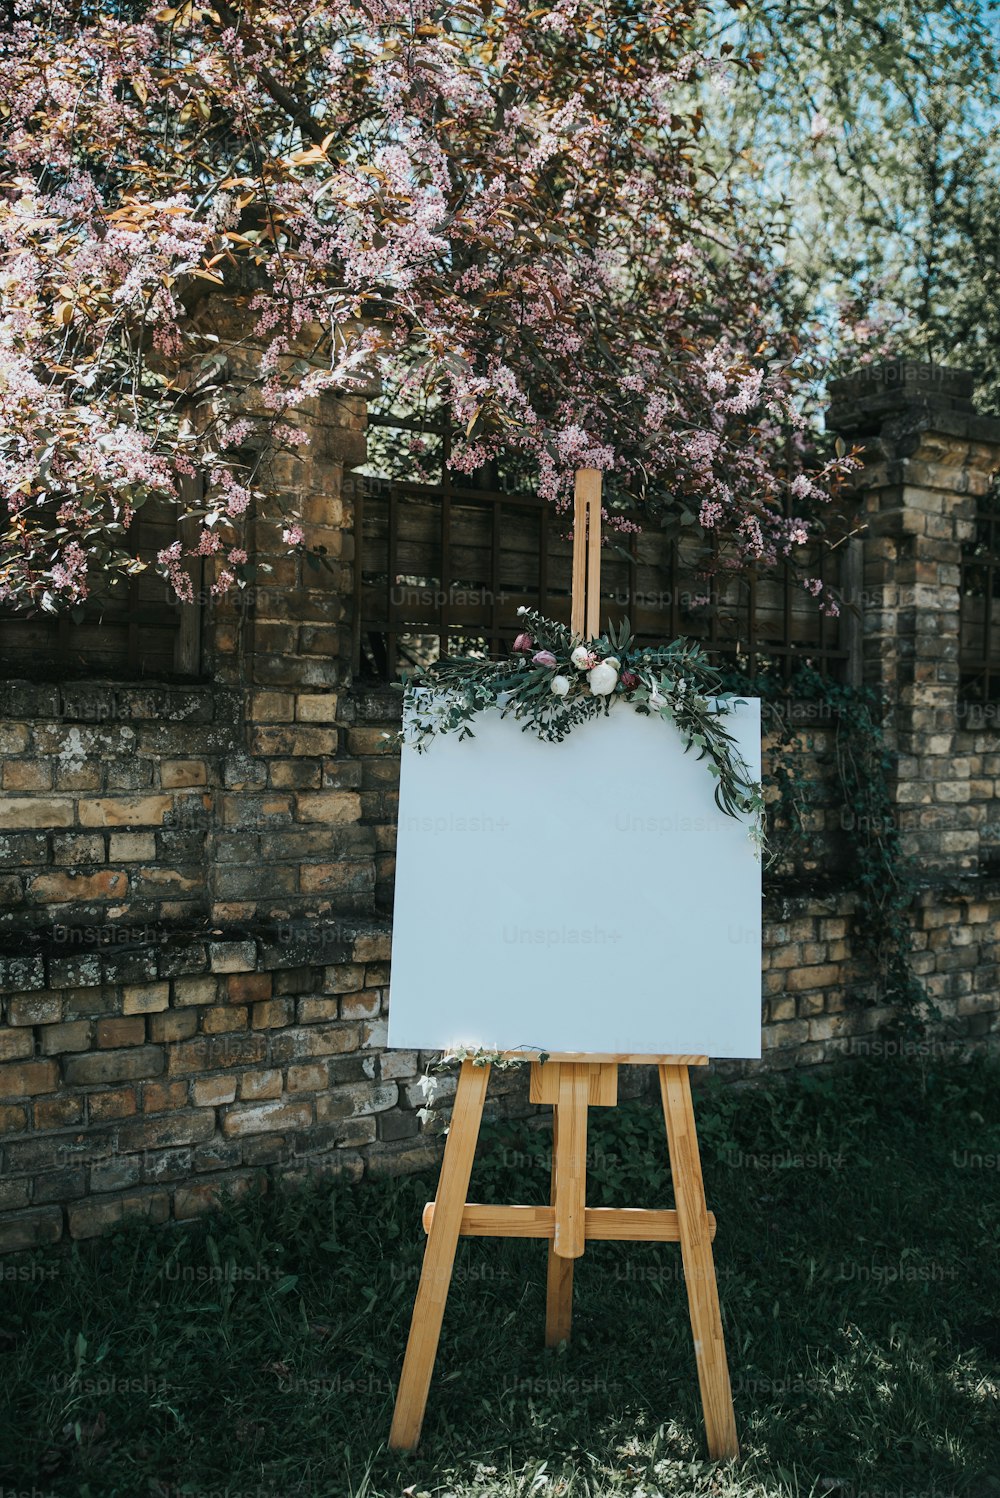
x=256 y=1353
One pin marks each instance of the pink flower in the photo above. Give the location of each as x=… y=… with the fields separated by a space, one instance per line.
x=629 y=680
x=523 y=643
x=543 y=658
x=293 y=535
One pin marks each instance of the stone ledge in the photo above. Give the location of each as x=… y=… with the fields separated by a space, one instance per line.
x=34 y=961
x=99 y=701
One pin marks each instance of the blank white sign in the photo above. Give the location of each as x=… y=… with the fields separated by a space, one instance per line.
x=585 y=896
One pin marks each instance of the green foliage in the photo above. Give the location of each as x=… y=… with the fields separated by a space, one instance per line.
x=549 y=683
x=866 y=139
x=256 y=1352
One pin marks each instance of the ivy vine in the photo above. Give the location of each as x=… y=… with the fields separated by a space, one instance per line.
x=878 y=870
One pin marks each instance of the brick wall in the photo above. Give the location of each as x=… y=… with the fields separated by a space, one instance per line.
x=196 y=878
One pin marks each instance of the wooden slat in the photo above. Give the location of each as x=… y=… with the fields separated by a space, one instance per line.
x=439 y=1258
x=601 y=1224
x=558 y=1270
x=571 y=1161
x=699 y=1265
x=543 y=1085
x=592 y=479
x=622 y=1058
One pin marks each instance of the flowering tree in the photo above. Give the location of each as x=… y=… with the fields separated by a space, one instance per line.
x=496 y=206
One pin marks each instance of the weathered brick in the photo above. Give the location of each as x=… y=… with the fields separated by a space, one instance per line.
x=295 y=774
x=245 y=988
x=312 y=1011
x=346 y=977
x=112 y=1033
x=77 y=777
x=15 y=1044
x=176 y=773
x=160 y=1097
x=17 y=973
x=131 y=847
x=89 y=1218
x=223 y=1018
x=114 y=1066
x=813 y=977
x=12 y=1120
x=207 y=1196
x=22 y=1230
x=125 y=811
x=119 y=1102
x=256 y=811
x=35 y=811
x=308 y=1078
x=329 y=807
x=397 y=1064
x=174 y=1024
x=364 y=741
x=34 y=1009
x=209 y=1092
x=373 y=947
x=51 y=889
x=287 y=742
x=27 y=1078
x=163 y=1130
x=232 y=956
x=316 y=1040
x=116 y=1174
x=360 y=1098
x=27 y=775
x=260 y=1118
x=316 y=707
x=195 y=990
x=255 y=1086
x=14 y=738
x=271 y=1014
x=56 y=1039
x=78 y=848
x=145 y=998
x=213 y=1052
x=14 y=1194
x=57 y=1112
x=272 y=707
x=360 y=1005
x=345 y=878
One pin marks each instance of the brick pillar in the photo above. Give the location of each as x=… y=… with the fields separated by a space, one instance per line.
x=291 y=836
x=928 y=458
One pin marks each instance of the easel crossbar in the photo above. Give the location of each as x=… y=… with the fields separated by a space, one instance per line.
x=601 y=1224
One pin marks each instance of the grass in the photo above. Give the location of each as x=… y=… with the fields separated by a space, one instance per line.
x=256 y=1353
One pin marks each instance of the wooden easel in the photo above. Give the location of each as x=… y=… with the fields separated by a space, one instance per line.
x=571 y=1084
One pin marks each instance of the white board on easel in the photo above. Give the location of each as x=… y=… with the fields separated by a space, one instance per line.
x=583 y=896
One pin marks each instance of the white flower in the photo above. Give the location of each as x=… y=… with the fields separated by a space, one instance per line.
x=560 y=685
x=582 y=658
x=522 y=609
x=603 y=679
x=657 y=700
x=681 y=687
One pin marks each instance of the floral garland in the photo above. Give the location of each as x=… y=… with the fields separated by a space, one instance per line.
x=554 y=680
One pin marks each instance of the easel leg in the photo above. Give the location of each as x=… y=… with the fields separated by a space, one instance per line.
x=699 y=1265
x=439 y=1258
x=570 y=1161
x=559 y=1279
